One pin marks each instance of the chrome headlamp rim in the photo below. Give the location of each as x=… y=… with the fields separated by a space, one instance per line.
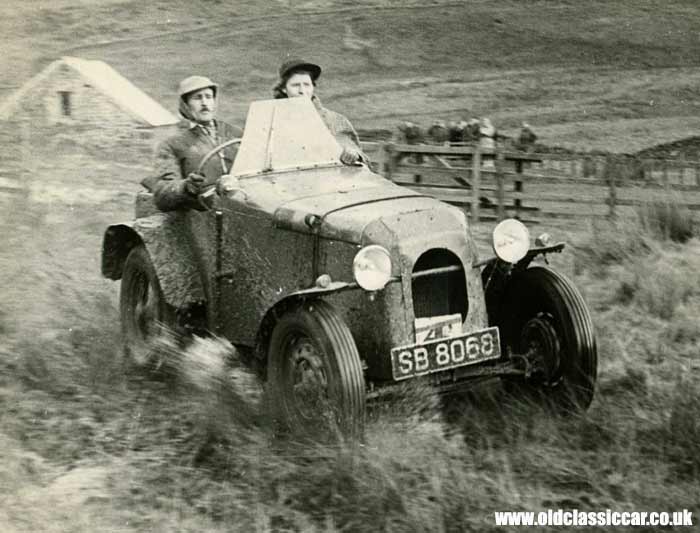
x=371 y=267
x=511 y=240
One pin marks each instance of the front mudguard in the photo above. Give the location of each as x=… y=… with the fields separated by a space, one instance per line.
x=165 y=237
x=291 y=300
x=496 y=274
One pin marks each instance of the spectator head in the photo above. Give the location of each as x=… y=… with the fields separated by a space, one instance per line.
x=487 y=128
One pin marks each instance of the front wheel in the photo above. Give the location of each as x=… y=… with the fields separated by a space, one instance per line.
x=144 y=313
x=315 y=374
x=544 y=319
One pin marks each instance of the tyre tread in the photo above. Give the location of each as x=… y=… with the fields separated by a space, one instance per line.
x=569 y=302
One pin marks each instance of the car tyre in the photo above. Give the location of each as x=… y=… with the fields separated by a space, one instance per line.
x=145 y=315
x=315 y=377
x=544 y=315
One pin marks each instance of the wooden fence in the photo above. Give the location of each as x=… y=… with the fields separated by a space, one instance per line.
x=493 y=184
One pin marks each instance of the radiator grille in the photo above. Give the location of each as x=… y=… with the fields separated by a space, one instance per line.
x=441 y=294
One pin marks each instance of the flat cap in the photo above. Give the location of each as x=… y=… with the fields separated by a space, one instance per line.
x=196 y=83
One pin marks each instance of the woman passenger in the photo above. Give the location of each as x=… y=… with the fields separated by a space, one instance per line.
x=298 y=79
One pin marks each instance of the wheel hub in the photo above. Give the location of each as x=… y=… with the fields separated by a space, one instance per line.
x=540 y=341
x=309 y=382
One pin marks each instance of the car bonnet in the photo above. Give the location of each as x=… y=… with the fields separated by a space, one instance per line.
x=344 y=212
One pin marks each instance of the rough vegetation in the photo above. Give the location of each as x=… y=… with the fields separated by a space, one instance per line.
x=95 y=445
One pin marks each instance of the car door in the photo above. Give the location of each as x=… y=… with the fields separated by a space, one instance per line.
x=261 y=264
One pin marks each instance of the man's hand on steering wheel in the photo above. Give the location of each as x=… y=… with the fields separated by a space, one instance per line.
x=194 y=183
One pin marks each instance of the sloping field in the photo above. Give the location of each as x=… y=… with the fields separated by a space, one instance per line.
x=596 y=74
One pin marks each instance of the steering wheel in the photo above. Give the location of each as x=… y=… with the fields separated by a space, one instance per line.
x=211 y=153
x=205 y=198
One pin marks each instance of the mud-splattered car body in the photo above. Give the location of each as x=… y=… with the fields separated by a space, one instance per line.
x=286 y=232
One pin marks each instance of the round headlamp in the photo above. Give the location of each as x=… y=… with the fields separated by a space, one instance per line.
x=511 y=240
x=372 y=267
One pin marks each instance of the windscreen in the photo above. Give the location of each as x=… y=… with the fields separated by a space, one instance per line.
x=284 y=134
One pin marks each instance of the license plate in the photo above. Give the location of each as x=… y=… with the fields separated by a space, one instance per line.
x=443 y=354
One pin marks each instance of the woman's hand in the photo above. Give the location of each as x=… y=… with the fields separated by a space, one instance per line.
x=351 y=156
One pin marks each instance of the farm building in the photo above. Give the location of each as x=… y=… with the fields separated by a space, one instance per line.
x=87 y=103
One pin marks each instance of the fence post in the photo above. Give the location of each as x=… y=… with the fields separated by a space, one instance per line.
x=665 y=173
x=500 y=185
x=610 y=172
x=379 y=160
x=518 y=187
x=389 y=161
x=681 y=171
x=519 y=166
x=476 y=183
x=643 y=171
x=667 y=180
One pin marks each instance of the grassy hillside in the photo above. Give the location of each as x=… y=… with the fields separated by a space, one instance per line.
x=597 y=74
x=85 y=446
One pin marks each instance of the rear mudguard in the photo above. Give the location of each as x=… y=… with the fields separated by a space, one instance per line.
x=166 y=239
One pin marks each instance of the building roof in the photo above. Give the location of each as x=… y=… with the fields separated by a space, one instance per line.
x=109 y=82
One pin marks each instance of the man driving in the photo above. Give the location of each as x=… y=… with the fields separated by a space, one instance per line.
x=177 y=183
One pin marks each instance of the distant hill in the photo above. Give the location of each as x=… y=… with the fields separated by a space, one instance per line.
x=569 y=68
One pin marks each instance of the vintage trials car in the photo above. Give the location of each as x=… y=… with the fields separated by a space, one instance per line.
x=343 y=284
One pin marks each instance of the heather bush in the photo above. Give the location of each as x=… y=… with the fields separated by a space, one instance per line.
x=667 y=220
x=613 y=242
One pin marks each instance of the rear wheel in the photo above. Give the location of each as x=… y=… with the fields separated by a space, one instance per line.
x=545 y=319
x=145 y=315
x=315 y=374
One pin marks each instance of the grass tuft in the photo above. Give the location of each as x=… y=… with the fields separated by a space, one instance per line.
x=613 y=242
x=667 y=221
x=684 y=429
x=657 y=284
x=662 y=295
